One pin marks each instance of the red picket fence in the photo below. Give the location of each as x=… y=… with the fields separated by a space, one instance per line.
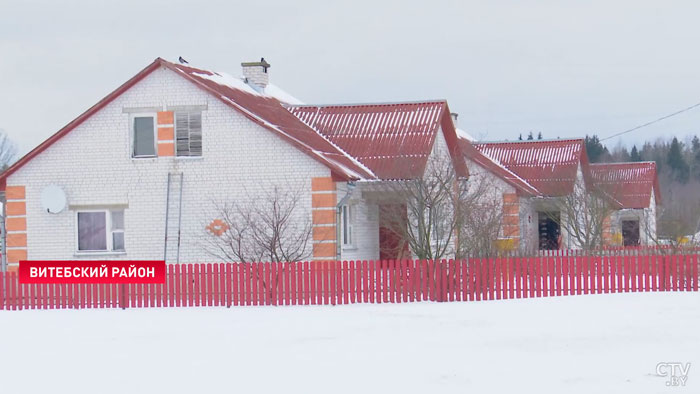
x=348 y=282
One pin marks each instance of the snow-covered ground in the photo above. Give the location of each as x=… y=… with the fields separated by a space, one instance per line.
x=580 y=344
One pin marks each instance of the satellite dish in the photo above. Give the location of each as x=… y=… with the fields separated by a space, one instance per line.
x=53 y=199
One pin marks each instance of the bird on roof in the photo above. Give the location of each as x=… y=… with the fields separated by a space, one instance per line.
x=183 y=61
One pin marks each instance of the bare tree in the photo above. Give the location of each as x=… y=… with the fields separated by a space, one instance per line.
x=584 y=212
x=269 y=228
x=427 y=217
x=480 y=219
x=8 y=151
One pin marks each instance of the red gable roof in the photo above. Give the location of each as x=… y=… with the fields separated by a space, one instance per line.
x=629 y=184
x=522 y=186
x=393 y=140
x=264 y=110
x=271 y=114
x=550 y=166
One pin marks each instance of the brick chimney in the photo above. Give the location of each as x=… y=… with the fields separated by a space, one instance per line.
x=256 y=73
x=454 y=116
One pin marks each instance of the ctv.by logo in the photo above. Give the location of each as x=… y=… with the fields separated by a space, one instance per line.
x=677 y=373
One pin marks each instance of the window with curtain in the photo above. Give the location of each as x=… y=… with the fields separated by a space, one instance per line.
x=101 y=231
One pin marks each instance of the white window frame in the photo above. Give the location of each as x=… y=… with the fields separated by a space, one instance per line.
x=349 y=211
x=108 y=232
x=132 y=132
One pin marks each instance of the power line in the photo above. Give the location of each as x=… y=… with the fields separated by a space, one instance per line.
x=652 y=122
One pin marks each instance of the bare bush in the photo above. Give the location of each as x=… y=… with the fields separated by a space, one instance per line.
x=268 y=228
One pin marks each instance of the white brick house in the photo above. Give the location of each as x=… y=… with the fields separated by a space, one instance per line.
x=539 y=174
x=120 y=163
x=113 y=165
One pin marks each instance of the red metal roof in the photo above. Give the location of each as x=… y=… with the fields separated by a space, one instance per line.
x=393 y=140
x=490 y=164
x=550 y=166
x=629 y=184
x=266 y=111
x=271 y=114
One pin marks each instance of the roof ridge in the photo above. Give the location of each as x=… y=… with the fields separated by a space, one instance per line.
x=368 y=104
x=531 y=141
x=624 y=162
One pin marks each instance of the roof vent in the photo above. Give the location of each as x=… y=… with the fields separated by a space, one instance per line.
x=256 y=73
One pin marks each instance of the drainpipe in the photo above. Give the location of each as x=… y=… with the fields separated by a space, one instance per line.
x=339 y=213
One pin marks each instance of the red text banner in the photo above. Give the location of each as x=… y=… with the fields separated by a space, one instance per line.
x=92 y=271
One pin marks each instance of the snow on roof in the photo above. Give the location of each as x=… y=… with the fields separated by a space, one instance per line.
x=281 y=95
x=629 y=183
x=492 y=165
x=463 y=134
x=270 y=112
x=548 y=165
x=394 y=140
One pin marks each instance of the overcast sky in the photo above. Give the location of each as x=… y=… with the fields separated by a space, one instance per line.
x=562 y=68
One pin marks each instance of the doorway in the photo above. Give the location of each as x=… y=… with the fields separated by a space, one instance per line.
x=393 y=220
x=630 y=232
x=549 y=230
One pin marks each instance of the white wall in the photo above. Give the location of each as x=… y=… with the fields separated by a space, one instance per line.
x=93 y=165
x=365 y=225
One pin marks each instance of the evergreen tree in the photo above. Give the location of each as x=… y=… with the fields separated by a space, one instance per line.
x=539 y=135
x=520 y=137
x=530 y=137
x=634 y=154
x=676 y=161
x=596 y=151
x=695 y=154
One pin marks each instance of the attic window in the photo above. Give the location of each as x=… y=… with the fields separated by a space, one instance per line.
x=188 y=133
x=143 y=132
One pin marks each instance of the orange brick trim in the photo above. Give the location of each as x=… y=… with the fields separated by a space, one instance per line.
x=322 y=184
x=326 y=233
x=166 y=134
x=326 y=216
x=510 y=220
x=511 y=209
x=166 y=149
x=324 y=250
x=12 y=267
x=15 y=255
x=510 y=198
x=16 y=208
x=511 y=216
x=607 y=231
x=17 y=240
x=14 y=193
x=16 y=224
x=165 y=117
x=323 y=200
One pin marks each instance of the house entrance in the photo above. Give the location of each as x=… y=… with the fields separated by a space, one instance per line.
x=549 y=230
x=630 y=232
x=392 y=224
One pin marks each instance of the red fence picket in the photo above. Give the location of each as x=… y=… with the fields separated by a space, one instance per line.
x=386 y=281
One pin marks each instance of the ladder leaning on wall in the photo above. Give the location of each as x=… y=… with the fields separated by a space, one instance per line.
x=173 y=218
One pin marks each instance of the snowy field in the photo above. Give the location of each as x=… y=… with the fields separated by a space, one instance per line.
x=581 y=344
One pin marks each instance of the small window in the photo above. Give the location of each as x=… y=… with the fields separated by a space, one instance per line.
x=347 y=220
x=188 y=133
x=101 y=231
x=144 y=142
